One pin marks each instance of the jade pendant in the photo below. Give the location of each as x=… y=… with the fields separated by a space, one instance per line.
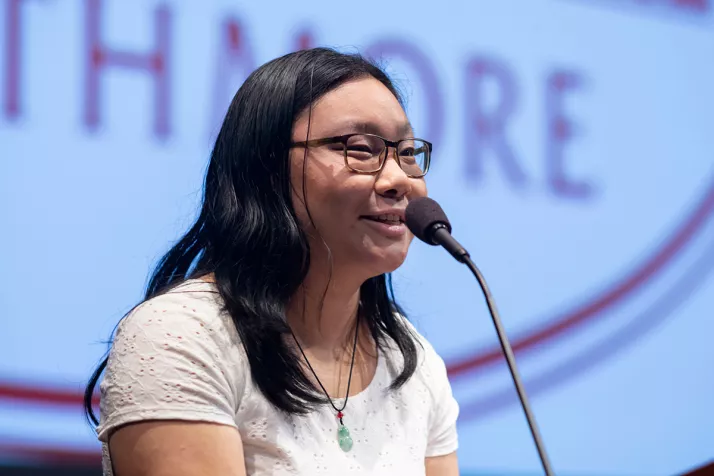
x=344 y=438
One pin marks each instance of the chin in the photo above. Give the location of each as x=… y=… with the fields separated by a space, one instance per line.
x=385 y=261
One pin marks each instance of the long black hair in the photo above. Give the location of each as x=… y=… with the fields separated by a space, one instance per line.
x=247 y=233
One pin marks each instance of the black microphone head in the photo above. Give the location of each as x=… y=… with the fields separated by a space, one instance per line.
x=421 y=215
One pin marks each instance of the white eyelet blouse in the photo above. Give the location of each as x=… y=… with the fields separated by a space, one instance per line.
x=178 y=357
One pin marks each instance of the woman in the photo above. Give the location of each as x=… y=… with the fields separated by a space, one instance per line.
x=269 y=341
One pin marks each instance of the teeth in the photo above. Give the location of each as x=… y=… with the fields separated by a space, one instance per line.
x=389 y=218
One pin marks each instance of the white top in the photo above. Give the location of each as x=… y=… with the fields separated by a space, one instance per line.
x=177 y=356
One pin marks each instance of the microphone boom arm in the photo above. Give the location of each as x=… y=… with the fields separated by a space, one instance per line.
x=440 y=235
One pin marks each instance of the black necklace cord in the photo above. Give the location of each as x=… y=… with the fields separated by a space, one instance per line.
x=349 y=380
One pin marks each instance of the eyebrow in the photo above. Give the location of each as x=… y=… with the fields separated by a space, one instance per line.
x=371 y=128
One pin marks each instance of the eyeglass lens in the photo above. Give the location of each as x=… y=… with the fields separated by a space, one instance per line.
x=365 y=154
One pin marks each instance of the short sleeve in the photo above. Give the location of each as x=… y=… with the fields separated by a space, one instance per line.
x=174 y=357
x=442 y=434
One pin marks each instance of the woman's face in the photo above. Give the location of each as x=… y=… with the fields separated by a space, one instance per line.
x=346 y=206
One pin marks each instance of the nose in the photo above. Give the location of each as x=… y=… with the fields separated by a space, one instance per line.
x=392 y=181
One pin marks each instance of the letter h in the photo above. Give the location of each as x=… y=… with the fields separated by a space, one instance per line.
x=156 y=63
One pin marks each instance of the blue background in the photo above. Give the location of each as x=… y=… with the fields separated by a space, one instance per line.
x=85 y=211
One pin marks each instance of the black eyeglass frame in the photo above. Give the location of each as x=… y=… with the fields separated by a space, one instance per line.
x=382 y=155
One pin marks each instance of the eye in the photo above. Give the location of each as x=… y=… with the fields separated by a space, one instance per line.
x=362 y=147
x=359 y=148
x=408 y=152
x=413 y=153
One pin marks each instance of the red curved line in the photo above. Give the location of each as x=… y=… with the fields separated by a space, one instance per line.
x=609 y=298
x=663 y=307
x=53 y=456
x=571 y=320
x=28 y=393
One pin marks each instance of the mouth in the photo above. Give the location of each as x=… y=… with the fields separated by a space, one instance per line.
x=389 y=219
x=389 y=225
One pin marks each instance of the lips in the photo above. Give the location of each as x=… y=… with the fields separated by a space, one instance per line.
x=391 y=216
x=388 y=223
x=389 y=219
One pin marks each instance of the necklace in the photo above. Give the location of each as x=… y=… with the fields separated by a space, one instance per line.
x=343 y=434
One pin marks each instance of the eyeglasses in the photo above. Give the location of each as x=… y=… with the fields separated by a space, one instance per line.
x=367 y=153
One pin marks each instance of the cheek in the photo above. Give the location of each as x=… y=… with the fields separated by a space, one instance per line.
x=419 y=189
x=336 y=202
x=328 y=188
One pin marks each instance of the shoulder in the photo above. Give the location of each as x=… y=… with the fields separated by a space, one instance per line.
x=175 y=356
x=432 y=374
x=428 y=356
x=430 y=366
x=189 y=313
x=185 y=324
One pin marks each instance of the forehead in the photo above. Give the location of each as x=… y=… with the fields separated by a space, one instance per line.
x=357 y=106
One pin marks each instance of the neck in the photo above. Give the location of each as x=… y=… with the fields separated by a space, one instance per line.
x=323 y=312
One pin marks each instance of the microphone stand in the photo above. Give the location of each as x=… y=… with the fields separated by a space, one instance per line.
x=511 y=360
x=441 y=235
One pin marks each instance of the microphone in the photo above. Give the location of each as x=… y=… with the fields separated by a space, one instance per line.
x=428 y=222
